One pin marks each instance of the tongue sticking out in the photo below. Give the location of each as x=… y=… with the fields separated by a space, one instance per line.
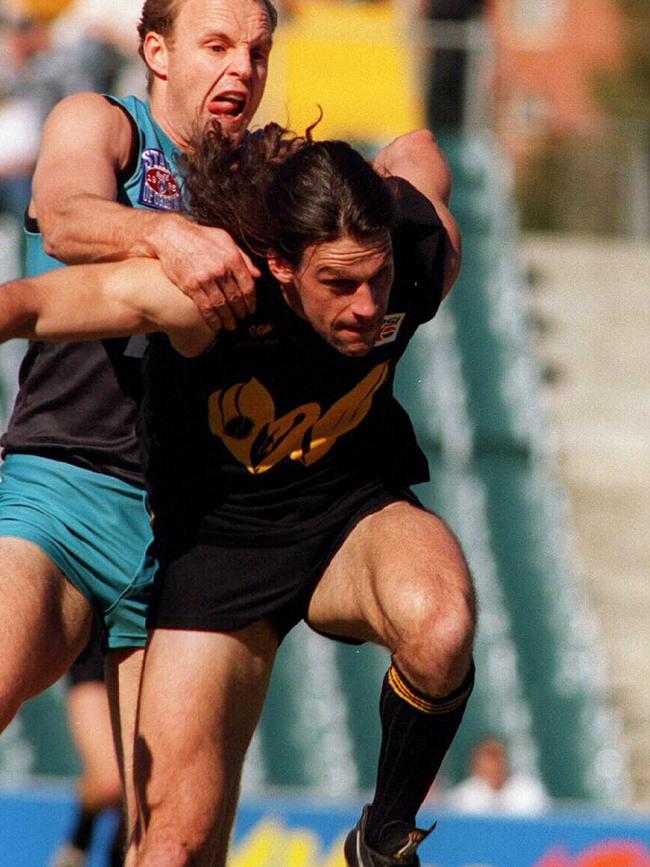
x=226 y=105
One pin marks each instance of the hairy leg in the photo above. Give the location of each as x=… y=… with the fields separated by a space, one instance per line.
x=45 y=623
x=123 y=672
x=202 y=694
x=401 y=581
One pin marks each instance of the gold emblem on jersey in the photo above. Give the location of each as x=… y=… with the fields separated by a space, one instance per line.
x=243 y=417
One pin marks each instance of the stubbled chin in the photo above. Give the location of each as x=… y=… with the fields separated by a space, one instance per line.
x=352 y=348
x=228 y=123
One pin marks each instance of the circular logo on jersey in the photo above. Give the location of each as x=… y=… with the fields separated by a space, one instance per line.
x=162 y=182
x=389 y=328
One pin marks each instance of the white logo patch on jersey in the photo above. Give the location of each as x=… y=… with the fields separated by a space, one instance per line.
x=390 y=328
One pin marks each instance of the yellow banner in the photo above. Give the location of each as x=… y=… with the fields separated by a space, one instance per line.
x=270 y=844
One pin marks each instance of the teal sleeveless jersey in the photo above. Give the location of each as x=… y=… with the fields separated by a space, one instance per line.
x=79 y=402
x=149 y=181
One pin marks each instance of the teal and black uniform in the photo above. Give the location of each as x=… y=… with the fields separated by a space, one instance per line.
x=72 y=478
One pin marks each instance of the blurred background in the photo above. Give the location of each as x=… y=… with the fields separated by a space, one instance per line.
x=530 y=392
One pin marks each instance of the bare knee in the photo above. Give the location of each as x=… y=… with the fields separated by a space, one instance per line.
x=164 y=851
x=179 y=826
x=170 y=842
x=435 y=648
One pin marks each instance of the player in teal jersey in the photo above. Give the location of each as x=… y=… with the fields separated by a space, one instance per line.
x=74 y=520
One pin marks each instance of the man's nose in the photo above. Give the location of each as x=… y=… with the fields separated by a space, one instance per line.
x=365 y=304
x=240 y=62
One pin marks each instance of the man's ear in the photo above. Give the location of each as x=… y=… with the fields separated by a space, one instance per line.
x=155 y=53
x=281 y=269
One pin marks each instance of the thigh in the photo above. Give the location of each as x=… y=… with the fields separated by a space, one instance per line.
x=395 y=564
x=95 y=528
x=45 y=621
x=201 y=696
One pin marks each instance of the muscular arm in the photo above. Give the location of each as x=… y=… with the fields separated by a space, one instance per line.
x=86 y=140
x=417 y=158
x=88 y=302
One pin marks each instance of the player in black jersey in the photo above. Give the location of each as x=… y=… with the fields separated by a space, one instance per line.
x=279 y=465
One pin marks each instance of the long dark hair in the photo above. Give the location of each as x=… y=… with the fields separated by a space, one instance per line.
x=276 y=190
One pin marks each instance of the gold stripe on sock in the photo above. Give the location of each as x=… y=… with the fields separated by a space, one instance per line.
x=402 y=689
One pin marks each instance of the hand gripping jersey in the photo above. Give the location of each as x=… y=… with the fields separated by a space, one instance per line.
x=272 y=434
x=79 y=402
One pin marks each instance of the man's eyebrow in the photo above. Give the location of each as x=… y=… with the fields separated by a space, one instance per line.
x=265 y=42
x=344 y=271
x=332 y=270
x=216 y=34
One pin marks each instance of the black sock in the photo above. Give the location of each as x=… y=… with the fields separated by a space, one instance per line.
x=417 y=731
x=83 y=830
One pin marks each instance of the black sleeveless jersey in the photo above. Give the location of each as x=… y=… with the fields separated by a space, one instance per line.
x=80 y=402
x=272 y=434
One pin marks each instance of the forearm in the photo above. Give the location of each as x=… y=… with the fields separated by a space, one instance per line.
x=89 y=302
x=17 y=316
x=87 y=228
x=74 y=303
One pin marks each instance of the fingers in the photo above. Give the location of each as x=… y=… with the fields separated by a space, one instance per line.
x=214 y=317
x=224 y=297
x=219 y=277
x=231 y=291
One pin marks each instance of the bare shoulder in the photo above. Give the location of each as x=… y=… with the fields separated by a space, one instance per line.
x=86 y=140
x=417 y=157
x=87 y=117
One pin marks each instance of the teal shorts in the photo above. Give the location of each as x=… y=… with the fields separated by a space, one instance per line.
x=96 y=529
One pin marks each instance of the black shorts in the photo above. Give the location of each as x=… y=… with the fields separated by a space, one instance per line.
x=219 y=588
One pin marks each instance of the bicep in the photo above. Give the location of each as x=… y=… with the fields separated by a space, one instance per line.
x=85 y=141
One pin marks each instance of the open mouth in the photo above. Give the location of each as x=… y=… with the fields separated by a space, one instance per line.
x=228 y=105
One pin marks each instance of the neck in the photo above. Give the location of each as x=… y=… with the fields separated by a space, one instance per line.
x=290 y=295
x=164 y=118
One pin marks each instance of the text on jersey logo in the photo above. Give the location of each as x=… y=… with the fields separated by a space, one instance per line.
x=159 y=188
x=390 y=328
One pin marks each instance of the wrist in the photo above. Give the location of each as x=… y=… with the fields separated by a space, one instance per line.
x=155 y=237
